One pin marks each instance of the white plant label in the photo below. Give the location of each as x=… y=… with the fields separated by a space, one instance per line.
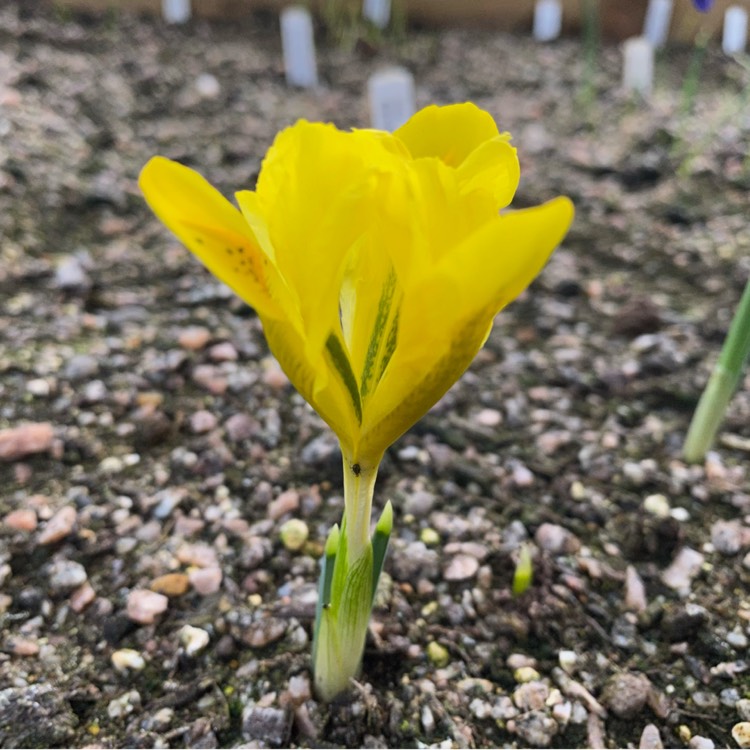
x=298 y=47
x=656 y=24
x=734 y=38
x=547 y=20
x=638 y=65
x=176 y=11
x=391 y=96
x=377 y=11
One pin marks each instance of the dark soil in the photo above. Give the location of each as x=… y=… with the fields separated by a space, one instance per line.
x=177 y=447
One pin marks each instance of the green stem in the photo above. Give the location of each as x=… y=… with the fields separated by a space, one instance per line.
x=359 y=486
x=349 y=574
x=721 y=385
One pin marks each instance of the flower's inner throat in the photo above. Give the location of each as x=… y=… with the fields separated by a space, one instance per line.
x=371 y=315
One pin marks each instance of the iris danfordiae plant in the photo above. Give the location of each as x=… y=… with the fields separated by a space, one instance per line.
x=376 y=263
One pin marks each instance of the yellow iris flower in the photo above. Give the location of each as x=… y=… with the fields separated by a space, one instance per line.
x=375 y=261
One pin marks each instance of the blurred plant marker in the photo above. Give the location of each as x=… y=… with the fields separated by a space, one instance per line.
x=638 y=65
x=298 y=47
x=176 y=11
x=391 y=98
x=376 y=263
x=656 y=23
x=378 y=12
x=547 y=20
x=734 y=36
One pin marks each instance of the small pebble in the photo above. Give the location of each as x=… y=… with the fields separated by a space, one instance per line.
x=211 y=378
x=518 y=661
x=741 y=733
x=525 y=674
x=25 y=440
x=650 y=738
x=65 y=575
x=144 y=606
x=223 y=352
x=171 y=584
x=556 y=539
x=299 y=688
x=657 y=505
x=686 y=566
x=460 y=568
x=124 y=705
x=125 y=659
x=743 y=708
x=727 y=537
x=38 y=387
x=701 y=743
x=635 y=591
x=419 y=503
x=23 y=646
x=194 y=338
x=286 y=502
x=207 y=86
x=82 y=597
x=202 y=421
x=240 y=427
x=531 y=696
x=264 y=632
x=429 y=536
x=522 y=476
x=568 y=660
x=193 y=640
x=205 y=581
x=23 y=519
x=625 y=694
x=199 y=554
x=438 y=655
x=294 y=533
x=536 y=729
x=266 y=726
x=489 y=417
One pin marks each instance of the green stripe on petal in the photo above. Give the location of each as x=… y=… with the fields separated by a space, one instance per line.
x=340 y=361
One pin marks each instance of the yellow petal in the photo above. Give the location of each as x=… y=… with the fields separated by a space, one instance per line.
x=316 y=194
x=449 y=133
x=316 y=380
x=445 y=317
x=492 y=167
x=493 y=266
x=211 y=228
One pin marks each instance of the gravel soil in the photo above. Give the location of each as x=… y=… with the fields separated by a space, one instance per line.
x=152 y=453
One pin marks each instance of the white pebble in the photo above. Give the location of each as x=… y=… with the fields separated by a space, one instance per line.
x=650 y=738
x=207 y=86
x=741 y=733
x=124 y=705
x=657 y=505
x=461 y=568
x=127 y=658
x=568 y=660
x=193 y=639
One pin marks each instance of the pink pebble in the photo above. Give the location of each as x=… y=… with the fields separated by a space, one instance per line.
x=194 y=338
x=223 y=352
x=23 y=519
x=82 y=597
x=145 y=606
x=205 y=581
x=59 y=526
